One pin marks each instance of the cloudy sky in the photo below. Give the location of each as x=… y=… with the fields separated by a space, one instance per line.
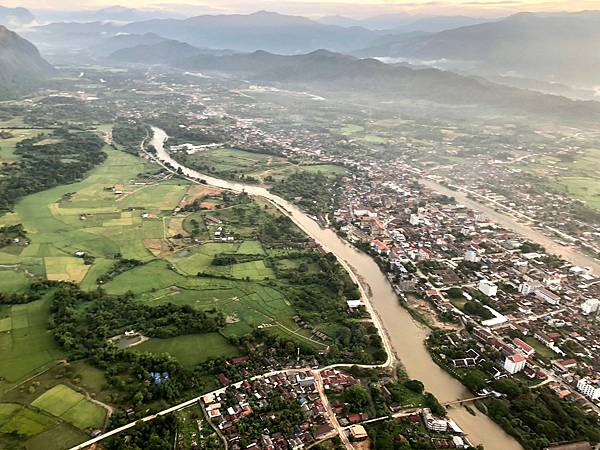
x=356 y=8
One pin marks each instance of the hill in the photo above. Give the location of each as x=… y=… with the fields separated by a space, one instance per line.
x=15 y=17
x=164 y=52
x=21 y=65
x=559 y=47
x=262 y=30
x=376 y=80
x=115 y=43
x=404 y=23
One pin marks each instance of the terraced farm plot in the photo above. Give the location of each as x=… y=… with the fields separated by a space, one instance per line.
x=25 y=342
x=13 y=280
x=191 y=349
x=15 y=418
x=162 y=197
x=251 y=248
x=65 y=268
x=71 y=406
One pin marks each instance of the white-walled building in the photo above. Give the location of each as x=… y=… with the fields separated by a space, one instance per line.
x=590 y=306
x=547 y=296
x=488 y=288
x=472 y=256
x=414 y=219
x=590 y=388
x=514 y=363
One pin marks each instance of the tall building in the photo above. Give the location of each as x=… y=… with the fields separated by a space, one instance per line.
x=590 y=388
x=590 y=306
x=514 y=363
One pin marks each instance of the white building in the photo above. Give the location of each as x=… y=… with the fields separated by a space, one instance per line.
x=472 y=256
x=547 y=296
x=514 y=363
x=488 y=288
x=414 y=219
x=527 y=287
x=590 y=306
x=433 y=423
x=589 y=388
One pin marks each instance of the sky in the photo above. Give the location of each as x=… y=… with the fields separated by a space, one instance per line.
x=312 y=8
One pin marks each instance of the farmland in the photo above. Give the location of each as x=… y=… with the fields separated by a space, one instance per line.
x=191 y=350
x=253 y=166
x=71 y=406
x=578 y=178
x=220 y=251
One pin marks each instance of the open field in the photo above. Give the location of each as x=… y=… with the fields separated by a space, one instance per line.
x=579 y=179
x=7 y=146
x=261 y=166
x=540 y=348
x=191 y=349
x=22 y=426
x=25 y=343
x=71 y=406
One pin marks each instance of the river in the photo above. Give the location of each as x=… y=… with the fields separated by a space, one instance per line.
x=407 y=337
x=571 y=254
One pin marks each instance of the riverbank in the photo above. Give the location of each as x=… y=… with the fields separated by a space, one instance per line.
x=571 y=254
x=406 y=337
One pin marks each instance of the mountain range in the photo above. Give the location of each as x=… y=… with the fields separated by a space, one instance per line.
x=20 y=63
x=243 y=33
x=561 y=47
x=15 y=17
x=404 y=23
x=374 y=80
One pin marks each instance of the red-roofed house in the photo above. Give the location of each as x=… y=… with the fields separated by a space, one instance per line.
x=524 y=347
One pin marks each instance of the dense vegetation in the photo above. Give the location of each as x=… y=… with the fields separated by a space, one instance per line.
x=63 y=160
x=538 y=418
x=129 y=135
x=83 y=321
x=313 y=191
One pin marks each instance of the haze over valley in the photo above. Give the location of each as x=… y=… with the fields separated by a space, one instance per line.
x=300 y=225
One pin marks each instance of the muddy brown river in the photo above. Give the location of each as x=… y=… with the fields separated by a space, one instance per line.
x=407 y=337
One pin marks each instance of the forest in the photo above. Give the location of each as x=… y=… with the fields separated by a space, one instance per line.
x=64 y=159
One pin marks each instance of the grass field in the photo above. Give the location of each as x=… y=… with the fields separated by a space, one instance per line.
x=25 y=342
x=7 y=146
x=192 y=349
x=579 y=179
x=540 y=348
x=257 y=165
x=71 y=406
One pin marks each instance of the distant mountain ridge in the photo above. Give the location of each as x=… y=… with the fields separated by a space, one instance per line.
x=15 y=17
x=560 y=47
x=336 y=72
x=21 y=65
x=165 y=51
x=404 y=23
x=240 y=32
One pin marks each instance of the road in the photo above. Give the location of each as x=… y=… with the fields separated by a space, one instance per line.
x=448 y=384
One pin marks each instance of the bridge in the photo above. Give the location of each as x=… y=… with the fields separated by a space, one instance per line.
x=466 y=400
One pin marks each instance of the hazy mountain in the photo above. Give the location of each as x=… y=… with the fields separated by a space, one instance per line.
x=164 y=52
x=372 y=78
x=554 y=47
x=111 y=13
x=15 y=17
x=262 y=30
x=122 y=41
x=404 y=23
x=20 y=63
